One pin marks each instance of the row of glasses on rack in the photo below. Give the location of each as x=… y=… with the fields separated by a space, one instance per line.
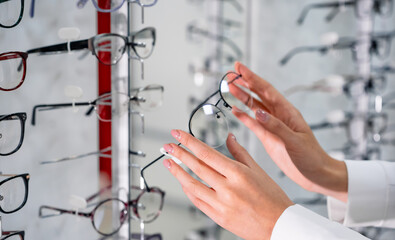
x=376 y=121
x=11 y=11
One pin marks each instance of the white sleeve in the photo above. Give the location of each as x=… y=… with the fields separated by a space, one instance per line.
x=299 y=223
x=371 y=196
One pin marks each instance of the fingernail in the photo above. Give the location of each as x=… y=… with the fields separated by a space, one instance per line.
x=233 y=137
x=176 y=134
x=168 y=148
x=167 y=163
x=261 y=115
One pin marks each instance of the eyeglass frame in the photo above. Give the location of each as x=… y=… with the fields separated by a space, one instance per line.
x=25 y=177
x=7 y=234
x=82 y=3
x=337 y=5
x=190 y=119
x=92 y=104
x=130 y=203
x=88 y=44
x=344 y=42
x=22 y=116
x=20 y=15
x=24 y=56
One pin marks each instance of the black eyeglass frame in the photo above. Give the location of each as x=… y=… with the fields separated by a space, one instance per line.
x=21 y=116
x=227 y=105
x=25 y=177
x=89 y=44
x=20 y=14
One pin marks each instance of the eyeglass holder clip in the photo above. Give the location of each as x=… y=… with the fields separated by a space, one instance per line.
x=69 y=34
x=176 y=160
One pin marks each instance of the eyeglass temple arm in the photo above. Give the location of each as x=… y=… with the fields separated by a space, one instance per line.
x=325 y=125
x=32 y=7
x=219 y=38
x=147 y=166
x=61 y=47
x=101 y=191
x=81 y=3
x=156 y=236
x=59 y=211
x=141 y=117
x=298 y=50
x=3 y=1
x=54 y=106
x=335 y=5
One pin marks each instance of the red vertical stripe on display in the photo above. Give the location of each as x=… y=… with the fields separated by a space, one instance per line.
x=104 y=85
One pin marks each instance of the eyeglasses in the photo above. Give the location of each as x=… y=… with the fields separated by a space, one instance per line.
x=375 y=124
x=208 y=122
x=11 y=12
x=12 y=69
x=194 y=32
x=101 y=105
x=13 y=235
x=114 y=5
x=12 y=132
x=104 y=153
x=351 y=85
x=109 y=47
x=13 y=192
x=380 y=46
x=137 y=236
x=146 y=207
x=382 y=7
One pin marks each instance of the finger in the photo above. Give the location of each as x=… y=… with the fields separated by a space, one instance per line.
x=206 y=208
x=246 y=98
x=274 y=126
x=208 y=155
x=238 y=152
x=270 y=97
x=192 y=185
x=201 y=169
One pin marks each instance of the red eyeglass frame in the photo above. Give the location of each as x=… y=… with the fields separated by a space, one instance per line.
x=13 y=55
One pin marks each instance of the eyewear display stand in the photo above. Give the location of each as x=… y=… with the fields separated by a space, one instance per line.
x=360 y=103
x=120 y=122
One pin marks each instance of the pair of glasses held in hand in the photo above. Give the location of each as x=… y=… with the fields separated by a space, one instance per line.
x=208 y=122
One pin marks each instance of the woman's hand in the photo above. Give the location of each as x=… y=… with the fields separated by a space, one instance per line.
x=288 y=139
x=238 y=192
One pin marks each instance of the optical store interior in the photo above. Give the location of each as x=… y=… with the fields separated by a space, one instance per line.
x=91 y=90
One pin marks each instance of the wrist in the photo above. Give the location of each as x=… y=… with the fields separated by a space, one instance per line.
x=334 y=179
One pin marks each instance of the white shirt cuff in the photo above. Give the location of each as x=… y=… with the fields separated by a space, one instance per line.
x=299 y=223
x=371 y=195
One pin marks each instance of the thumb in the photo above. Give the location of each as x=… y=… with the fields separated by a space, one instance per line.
x=274 y=125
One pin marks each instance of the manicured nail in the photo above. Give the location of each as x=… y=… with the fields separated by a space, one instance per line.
x=233 y=137
x=168 y=148
x=176 y=134
x=167 y=163
x=261 y=115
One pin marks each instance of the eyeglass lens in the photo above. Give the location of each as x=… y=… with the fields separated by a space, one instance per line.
x=10 y=12
x=103 y=108
x=209 y=125
x=12 y=194
x=109 y=216
x=13 y=237
x=151 y=97
x=108 y=6
x=149 y=205
x=143 y=43
x=109 y=48
x=10 y=134
x=235 y=91
x=11 y=70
